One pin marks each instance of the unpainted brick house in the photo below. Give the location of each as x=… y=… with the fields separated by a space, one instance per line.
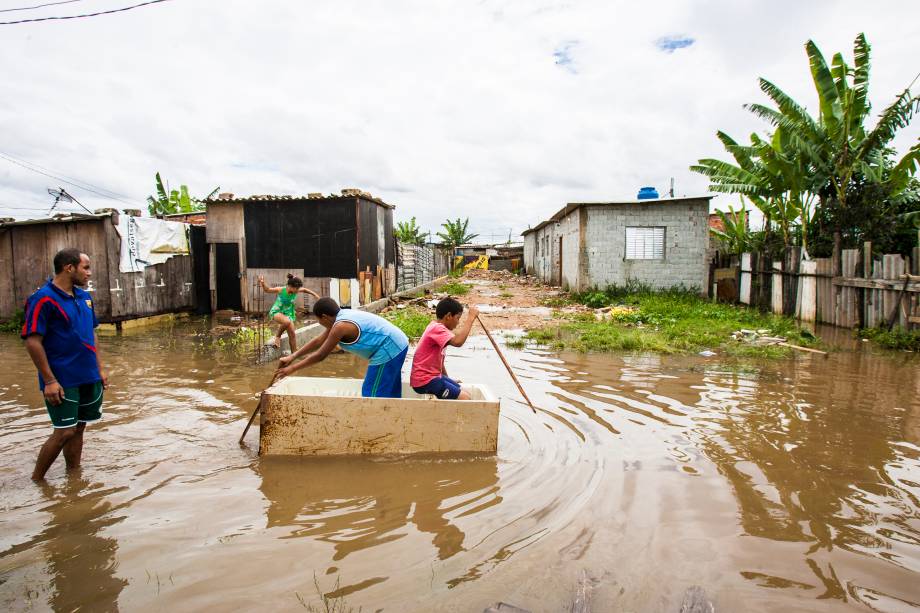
x=662 y=243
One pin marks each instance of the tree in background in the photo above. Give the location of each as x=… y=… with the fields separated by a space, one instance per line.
x=455 y=233
x=832 y=177
x=168 y=202
x=736 y=237
x=409 y=232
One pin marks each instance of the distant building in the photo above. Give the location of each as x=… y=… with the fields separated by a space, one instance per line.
x=341 y=245
x=500 y=256
x=659 y=242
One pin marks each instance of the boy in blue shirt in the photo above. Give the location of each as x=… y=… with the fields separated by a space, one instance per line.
x=364 y=334
x=59 y=334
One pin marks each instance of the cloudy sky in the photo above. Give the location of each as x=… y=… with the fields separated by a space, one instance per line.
x=501 y=111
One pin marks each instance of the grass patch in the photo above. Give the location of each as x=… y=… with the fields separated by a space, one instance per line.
x=897 y=340
x=412 y=321
x=15 y=323
x=671 y=321
x=556 y=302
x=506 y=295
x=243 y=337
x=515 y=342
x=455 y=288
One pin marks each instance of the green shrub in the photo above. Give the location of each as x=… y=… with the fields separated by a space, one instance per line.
x=455 y=288
x=897 y=339
x=411 y=321
x=15 y=323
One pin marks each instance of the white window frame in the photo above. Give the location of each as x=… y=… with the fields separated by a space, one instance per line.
x=645 y=243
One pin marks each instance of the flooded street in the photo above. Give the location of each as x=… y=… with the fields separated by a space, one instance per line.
x=789 y=485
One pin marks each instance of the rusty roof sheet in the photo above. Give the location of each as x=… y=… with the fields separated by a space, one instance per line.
x=288 y=198
x=60 y=218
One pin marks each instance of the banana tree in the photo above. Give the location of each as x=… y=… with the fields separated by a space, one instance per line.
x=766 y=173
x=409 y=232
x=455 y=233
x=824 y=160
x=736 y=237
x=168 y=202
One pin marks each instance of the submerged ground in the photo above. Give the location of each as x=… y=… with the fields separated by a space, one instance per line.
x=778 y=485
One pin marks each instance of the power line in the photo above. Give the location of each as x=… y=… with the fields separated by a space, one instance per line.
x=62 y=17
x=77 y=185
x=33 y=165
x=38 y=6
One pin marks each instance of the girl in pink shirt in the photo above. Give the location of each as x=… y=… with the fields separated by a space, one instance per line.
x=428 y=373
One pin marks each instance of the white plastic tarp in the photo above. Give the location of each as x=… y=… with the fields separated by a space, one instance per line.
x=147 y=240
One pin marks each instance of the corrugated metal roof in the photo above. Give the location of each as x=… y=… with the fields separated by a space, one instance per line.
x=62 y=218
x=564 y=211
x=286 y=198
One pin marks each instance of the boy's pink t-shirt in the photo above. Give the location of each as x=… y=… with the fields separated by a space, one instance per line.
x=428 y=361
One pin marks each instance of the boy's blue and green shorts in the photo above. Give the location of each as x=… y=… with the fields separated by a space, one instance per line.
x=82 y=404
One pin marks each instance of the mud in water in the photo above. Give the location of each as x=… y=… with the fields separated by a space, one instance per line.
x=779 y=486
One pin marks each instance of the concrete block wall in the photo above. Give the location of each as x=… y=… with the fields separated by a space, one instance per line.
x=546 y=253
x=530 y=252
x=568 y=230
x=686 y=241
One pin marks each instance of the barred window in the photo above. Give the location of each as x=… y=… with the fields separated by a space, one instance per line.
x=644 y=243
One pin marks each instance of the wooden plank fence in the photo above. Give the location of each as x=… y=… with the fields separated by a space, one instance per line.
x=853 y=290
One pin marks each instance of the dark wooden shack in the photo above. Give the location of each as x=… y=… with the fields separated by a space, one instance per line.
x=342 y=246
x=28 y=247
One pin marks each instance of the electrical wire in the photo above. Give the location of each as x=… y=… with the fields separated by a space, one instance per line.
x=62 y=17
x=38 y=6
x=33 y=165
x=77 y=185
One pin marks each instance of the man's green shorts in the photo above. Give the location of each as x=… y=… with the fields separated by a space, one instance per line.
x=81 y=404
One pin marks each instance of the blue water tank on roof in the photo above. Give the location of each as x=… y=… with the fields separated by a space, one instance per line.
x=647 y=193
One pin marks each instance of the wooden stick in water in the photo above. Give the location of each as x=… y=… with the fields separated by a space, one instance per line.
x=505 y=362
x=808 y=349
x=257 y=410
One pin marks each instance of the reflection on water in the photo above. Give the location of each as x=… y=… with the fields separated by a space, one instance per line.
x=789 y=485
x=356 y=504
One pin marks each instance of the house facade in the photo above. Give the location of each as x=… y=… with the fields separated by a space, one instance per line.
x=341 y=245
x=662 y=243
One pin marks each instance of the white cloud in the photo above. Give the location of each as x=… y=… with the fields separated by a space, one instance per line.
x=445 y=109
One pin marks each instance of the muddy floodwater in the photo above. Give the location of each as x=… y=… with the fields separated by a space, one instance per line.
x=787 y=485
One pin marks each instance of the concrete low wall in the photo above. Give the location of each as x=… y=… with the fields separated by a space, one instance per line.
x=310 y=331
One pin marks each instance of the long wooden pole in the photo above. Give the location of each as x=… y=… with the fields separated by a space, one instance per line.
x=505 y=362
x=256 y=411
x=800 y=348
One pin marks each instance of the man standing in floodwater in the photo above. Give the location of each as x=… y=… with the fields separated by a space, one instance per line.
x=59 y=334
x=367 y=335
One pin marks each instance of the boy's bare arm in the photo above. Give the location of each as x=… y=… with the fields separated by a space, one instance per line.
x=463 y=331
x=332 y=339
x=314 y=344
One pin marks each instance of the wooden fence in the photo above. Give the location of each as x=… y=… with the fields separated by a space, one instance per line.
x=852 y=290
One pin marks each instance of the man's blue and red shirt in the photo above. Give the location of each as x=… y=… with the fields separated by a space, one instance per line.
x=66 y=324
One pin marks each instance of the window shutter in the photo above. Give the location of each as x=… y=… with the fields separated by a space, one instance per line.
x=644 y=243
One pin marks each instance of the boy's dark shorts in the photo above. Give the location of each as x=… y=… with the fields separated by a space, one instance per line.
x=82 y=404
x=444 y=388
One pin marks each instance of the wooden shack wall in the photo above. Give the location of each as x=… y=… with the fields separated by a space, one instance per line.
x=8 y=302
x=117 y=296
